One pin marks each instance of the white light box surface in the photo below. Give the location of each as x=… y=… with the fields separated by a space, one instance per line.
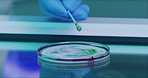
x=89 y=29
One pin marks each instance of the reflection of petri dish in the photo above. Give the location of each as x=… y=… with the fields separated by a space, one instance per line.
x=74 y=55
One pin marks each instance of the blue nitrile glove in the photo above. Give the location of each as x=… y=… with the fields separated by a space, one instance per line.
x=58 y=8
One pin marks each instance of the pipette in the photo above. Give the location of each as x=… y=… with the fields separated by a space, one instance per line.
x=78 y=27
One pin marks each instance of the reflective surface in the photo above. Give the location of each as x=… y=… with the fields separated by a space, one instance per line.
x=19 y=59
x=20 y=64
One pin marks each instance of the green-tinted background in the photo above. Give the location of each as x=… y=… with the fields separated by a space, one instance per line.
x=99 y=8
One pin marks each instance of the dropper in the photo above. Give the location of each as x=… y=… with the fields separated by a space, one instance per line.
x=78 y=27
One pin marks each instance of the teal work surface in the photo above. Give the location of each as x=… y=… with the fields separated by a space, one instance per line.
x=19 y=59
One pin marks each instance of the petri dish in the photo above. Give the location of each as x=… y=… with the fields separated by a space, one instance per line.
x=74 y=55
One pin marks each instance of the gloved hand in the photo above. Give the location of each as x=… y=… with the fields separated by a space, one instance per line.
x=58 y=8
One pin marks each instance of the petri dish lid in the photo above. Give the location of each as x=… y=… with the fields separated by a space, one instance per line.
x=73 y=52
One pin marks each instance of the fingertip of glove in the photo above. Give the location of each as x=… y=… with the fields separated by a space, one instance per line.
x=81 y=17
x=85 y=7
x=80 y=14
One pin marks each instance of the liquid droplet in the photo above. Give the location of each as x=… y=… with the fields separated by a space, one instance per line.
x=79 y=28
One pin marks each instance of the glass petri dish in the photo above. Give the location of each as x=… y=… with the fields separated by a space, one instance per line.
x=74 y=55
